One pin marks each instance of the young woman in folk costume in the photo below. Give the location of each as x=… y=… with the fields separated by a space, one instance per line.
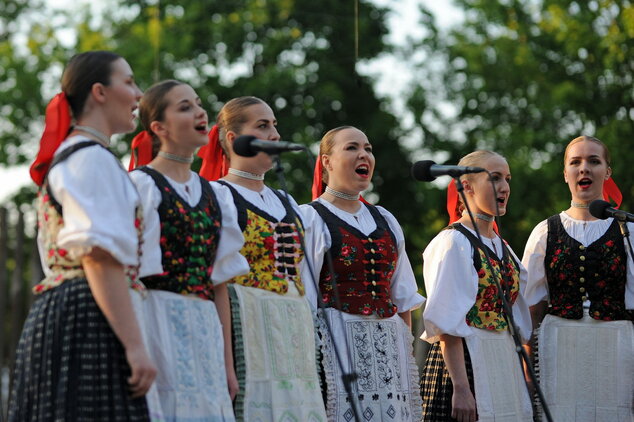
x=272 y=322
x=81 y=355
x=191 y=248
x=472 y=371
x=375 y=284
x=581 y=289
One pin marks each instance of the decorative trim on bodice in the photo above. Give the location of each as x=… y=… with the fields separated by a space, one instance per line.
x=271 y=247
x=363 y=265
x=487 y=313
x=50 y=223
x=189 y=239
x=577 y=273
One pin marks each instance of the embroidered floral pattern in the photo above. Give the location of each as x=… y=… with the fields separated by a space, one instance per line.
x=576 y=273
x=364 y=266
x=189 y=239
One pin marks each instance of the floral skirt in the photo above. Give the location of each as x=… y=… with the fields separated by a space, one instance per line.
x=275 y=356
x=380 y=351
x=70 y=366
x=586 y=369
x=184 y=338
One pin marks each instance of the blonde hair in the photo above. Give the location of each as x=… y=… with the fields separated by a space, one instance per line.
x=475 y=159
x=326 y=145
x=606 y=152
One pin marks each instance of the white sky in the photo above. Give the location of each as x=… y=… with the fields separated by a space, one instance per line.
x=392 y=76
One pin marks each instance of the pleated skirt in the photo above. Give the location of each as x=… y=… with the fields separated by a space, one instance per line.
x=70 y=366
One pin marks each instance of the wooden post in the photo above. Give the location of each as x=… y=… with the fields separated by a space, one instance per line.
x=4 y=290
x=17 y=294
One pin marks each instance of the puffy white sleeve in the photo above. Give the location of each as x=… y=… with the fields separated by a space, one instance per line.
x=99 y=202
x=521 y=311
x=403 y=284
x=451 y=283
x=533 y=261
x=229 y=261
x=152 y=257
x=317 y=241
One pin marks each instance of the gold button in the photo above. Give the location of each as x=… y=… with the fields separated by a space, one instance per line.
x=372 y=271
x=582 y=247
x=582 y=268
x=584 y=298
x=596 y=274
x=372 y=250
x=582 y=280
x=372 y=261
x=370 y=239
x=374 y=283
x=582 y=290
x=583 y=258
x=373 y=293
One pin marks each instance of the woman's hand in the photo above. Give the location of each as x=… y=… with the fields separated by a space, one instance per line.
x=143 y=370
x=232 y=382
x=463 y=404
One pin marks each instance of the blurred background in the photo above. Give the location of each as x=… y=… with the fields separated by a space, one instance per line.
x=423 y=79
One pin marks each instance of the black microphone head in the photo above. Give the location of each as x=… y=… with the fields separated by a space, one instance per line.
x=242 y=146
x=598 y=207
x=420 y=171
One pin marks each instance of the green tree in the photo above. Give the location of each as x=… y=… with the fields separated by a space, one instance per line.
x=526 y=77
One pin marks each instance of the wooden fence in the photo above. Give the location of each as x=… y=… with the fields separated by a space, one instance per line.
x=20 y=269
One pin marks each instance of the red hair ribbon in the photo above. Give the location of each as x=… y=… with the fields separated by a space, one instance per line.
x=612 y=192
x=56 y=124
x=215 y=163
x=141 y=150
x=318 y=183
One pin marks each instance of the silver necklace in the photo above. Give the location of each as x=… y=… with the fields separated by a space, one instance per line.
x=103 y=139
x=578 y=205
x=483 y=217
x=342 y=195
x=177 y=158
x=246 y=174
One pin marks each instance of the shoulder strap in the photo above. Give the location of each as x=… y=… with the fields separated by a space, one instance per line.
x=239 y=203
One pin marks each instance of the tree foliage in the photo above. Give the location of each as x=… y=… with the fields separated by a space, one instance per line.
x=526 y=77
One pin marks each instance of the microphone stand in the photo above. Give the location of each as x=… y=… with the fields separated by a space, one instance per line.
x=626 y=234
x=347 y=378
x=506 y=306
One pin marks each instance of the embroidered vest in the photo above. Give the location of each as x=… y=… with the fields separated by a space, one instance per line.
x=576 y=273
x=363 y=265
x=272 y=248
x=189 y=240
x=51 y=221
x=487 y=313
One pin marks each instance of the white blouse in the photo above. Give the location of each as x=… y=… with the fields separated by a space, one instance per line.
x=99 y=203
x=403 y=284
x=229 y=262
x=451 y=282
x=585 y=232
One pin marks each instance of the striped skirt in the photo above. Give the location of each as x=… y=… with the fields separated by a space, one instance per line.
x=70 y=366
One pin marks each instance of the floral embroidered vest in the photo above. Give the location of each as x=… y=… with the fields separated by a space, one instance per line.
x=363 y=265
x=51 y=221
x=576 y=273
x=189 y=240
x=272 y=248
x=487 y=313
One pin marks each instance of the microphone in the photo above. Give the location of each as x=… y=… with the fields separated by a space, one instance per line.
x=603 y=209
x=249 y=146
x=427 y=170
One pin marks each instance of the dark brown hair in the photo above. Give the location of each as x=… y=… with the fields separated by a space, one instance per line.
x=152 y=108
x=82 y=72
